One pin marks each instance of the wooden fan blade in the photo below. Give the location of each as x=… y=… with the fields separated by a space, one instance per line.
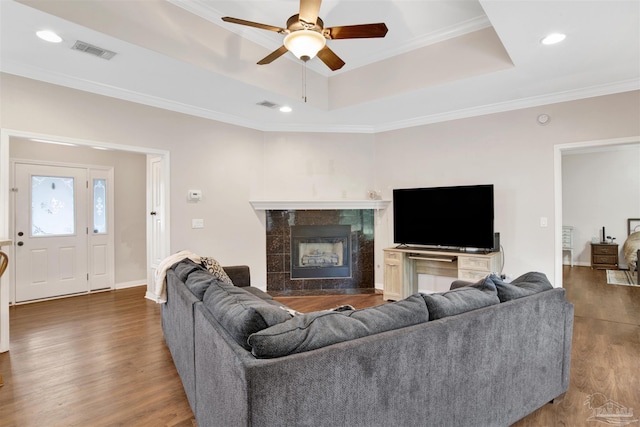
x=309 y=10
x=273 y=55
x=363 y=31
x=253 y=24
x=331 y=60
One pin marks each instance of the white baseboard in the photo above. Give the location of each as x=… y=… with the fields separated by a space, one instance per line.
x=578 y=264
x=132 y=284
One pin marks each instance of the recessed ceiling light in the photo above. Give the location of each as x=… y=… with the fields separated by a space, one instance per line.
x=286 y=109
x=49 y=36
x=553 y=38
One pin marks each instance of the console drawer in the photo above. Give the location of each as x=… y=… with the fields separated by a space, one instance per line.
x=473 y=263
x=392 y=255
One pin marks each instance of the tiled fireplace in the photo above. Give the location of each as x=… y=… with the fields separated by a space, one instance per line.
x=320 y=251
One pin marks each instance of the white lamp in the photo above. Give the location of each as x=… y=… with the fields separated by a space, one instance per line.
x=304 y=44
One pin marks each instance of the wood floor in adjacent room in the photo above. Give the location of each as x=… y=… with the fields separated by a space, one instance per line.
x=100 y=359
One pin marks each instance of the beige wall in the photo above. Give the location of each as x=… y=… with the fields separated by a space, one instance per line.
x=511 y=151
x=224 y=161
x=129 y=194
x=234 y=165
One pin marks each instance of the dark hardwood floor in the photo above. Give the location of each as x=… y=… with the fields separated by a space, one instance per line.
x=605 y=356
x=100 y=359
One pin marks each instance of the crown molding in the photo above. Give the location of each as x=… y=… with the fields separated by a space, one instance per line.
x=517 y=104
x=60 y=79
x=35 y=73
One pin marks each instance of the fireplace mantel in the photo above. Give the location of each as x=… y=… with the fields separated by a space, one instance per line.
x=265 y=205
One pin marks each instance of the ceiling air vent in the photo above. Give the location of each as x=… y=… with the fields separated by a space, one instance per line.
x=93 y=50
x=268 y=104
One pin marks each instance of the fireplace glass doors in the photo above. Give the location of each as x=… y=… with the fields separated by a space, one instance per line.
x=320 y=251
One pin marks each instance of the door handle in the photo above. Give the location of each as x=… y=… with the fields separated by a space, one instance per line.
x=153 y=213
x=20 y=243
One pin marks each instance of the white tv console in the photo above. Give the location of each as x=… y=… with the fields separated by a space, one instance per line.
x=402 y=266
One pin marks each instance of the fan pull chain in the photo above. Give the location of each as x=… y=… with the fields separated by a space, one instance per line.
x=304 y=81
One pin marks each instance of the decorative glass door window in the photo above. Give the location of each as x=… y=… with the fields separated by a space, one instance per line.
x=99 y=205
x=52 y=206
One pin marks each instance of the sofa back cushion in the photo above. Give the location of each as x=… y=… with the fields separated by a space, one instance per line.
x=185 y=267
x=322 y=328
x=459 y=300
x=197 y=277
x=240 y=312
x=527 y=284
x=198 y=281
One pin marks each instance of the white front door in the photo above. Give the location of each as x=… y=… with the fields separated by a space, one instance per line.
x=51 y=231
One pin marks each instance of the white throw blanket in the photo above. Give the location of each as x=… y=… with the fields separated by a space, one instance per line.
x=157 y=291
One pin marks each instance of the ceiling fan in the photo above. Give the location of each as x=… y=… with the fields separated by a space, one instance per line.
x=305 y=35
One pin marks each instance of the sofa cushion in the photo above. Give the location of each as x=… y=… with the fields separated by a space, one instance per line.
x=527 y=284
x=258 y=292
x=198 y=281
x=197 y=277
x=322 y=328
x=462 y=299
x=185 y=267
x=240 y=312
x=485 y=284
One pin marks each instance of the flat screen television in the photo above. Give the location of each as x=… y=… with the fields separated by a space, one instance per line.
x=458 y=217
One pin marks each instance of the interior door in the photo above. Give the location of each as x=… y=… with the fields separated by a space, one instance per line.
x=51 y=231
x=157 y=222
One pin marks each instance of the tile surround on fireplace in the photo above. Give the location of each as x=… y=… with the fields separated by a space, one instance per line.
x=278 y=236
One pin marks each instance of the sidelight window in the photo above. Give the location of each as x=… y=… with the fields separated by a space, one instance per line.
x=99 y=205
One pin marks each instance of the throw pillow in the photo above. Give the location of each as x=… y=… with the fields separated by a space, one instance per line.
x=215 y=269
x=460 y=300
x=310 y=331
x=240 y=312
x=527 y=284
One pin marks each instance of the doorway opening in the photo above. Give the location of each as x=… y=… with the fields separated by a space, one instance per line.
x=558 y=180
x=157 y=180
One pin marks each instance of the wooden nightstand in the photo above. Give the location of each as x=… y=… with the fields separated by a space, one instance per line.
x=604 y=256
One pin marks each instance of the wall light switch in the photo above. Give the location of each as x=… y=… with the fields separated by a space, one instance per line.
x=197 y=223
x=544 y=222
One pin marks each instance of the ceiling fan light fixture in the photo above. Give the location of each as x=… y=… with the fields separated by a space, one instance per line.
x=304 y=44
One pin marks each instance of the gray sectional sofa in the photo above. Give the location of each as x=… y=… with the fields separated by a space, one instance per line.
x=483 y=354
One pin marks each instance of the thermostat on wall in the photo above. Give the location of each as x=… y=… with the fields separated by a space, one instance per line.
x=195 y=195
